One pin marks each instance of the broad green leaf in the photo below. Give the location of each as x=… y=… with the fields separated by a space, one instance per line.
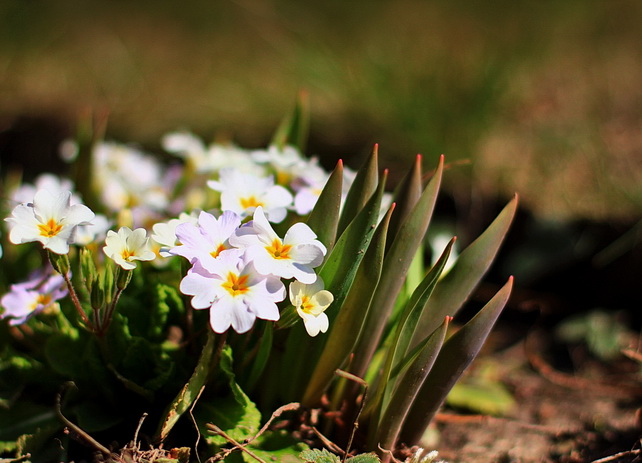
x=455 y=356
x=78 y=359
x=94 y=416
x=363 y=187
x=167 y=300
x=469 y=268
x=190 y=391
x=395 y=266
x=293 y=129
x=484 y=397
x=26 y=417
x=389 y=427
x=350 y=316
x=324 y=218
x=319 y=456
x=364 y=458
x=278 y=446
x=144 y=365
x=261 y=357
x=235 y=414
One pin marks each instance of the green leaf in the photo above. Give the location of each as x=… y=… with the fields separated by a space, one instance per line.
x=168 y=300
x=363 y=187
x=406 y=196
x=405 y=329
x=319 y=456
x=350 y=317
x=389 y=427
x=262 y=357
x=94 y=416
x=469 y=268
x=77 y=358
x=235 y=414
x=293 y=129
x=26 y=417
x=278 y=446
x=364 y=458
x=484 y=397
x=341 y=266
x=417 y=304
x=324 y=218
x=455 y=356
x=395 y=267
x=190 y=391
x=338 y=273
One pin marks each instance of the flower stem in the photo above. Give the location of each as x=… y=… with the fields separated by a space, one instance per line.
x=60 y=263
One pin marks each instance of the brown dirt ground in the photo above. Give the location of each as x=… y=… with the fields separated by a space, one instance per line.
x=589 y=414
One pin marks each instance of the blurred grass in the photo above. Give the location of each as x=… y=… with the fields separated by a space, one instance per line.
x=545 y=98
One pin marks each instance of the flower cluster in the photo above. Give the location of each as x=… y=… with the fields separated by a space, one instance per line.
x=237 y=269
x=223 y=200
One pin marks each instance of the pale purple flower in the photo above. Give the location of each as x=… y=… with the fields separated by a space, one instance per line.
x=234 y=291
x=294 y=256
x=208 y=239
x=38 y=293
x=164 y=233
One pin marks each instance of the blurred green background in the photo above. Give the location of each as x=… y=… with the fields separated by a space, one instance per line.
x=542 y=97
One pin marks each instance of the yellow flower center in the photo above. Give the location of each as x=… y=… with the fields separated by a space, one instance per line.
x=49 y=229
x=42 y=299
x=249 y=202
x=218 y=250
x=278 y=250
x=306 y=305
x=236 y=285
x=283 y=178
x=127 y=254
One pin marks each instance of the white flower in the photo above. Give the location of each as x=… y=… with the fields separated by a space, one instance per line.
x=234 y=291
x=95 y=231
x=206 y=159
x=50 y=182
x=164 y=233
x=128 y=177
x=127 y=246
x=293 y=257
x=310 y=302
x=243 y=193
x=50 y=219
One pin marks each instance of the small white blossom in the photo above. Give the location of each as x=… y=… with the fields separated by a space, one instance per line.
x=244 y=193
x=310 y=302
x=49 y=219
x=128 y=246
x=294 y=256
x=234 y=291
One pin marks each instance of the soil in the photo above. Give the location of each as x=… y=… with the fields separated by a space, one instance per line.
x=569 y=415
